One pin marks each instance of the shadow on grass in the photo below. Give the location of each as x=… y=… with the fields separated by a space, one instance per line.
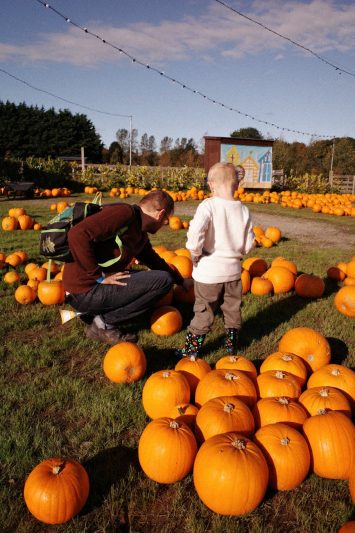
x=104 y=470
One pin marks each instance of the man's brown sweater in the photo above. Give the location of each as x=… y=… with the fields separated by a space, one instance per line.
x=92 y=241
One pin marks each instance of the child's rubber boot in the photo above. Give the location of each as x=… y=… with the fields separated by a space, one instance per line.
x=231 y=340
x=193 y=345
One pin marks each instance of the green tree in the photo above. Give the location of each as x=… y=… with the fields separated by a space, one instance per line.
x=247 y=133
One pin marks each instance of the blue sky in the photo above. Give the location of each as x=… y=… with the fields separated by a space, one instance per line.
x=198 y=42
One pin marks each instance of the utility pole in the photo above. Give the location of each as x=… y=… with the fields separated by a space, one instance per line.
x=130 y=141
x=331 y=164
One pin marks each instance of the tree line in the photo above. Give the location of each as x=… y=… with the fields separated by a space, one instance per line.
x=32 y=131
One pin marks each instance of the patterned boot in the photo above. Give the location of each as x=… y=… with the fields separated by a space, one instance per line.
x=231 y=340
x=193 y=345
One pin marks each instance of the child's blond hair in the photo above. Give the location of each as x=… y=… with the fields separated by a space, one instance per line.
x=223 y=173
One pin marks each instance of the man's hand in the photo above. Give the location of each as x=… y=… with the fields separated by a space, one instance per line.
x=115 y=279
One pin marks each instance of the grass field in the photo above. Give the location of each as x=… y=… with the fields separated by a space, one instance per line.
x=55 y=400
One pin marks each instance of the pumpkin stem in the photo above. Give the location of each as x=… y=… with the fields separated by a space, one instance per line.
x=166 y=374
x=279 y=374
x=174 y=425
x=49 y=270
x=285 y=441
x=322 y=412
x=287 y=357
x=324 y=393
x=180 y=409
x=283 y=400
x=231 y=377
x=232 y=359
x=335 y=372
x=57 y=469
x=193 y=358
x=228 y=408
x=239 y=444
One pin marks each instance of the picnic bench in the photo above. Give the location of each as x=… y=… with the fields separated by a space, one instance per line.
x=18 y=188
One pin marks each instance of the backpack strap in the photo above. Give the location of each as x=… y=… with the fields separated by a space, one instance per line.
x=120 y=247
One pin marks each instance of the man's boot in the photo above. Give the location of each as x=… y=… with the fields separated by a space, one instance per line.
x=193 y=345
x=231 y=340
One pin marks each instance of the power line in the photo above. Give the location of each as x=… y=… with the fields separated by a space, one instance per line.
x=337 y=68
x=174 y=80
x=60 y=97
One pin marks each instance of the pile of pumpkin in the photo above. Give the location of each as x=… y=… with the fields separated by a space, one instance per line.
x=345 y=297
x=254 y=430
x=52 y=193
x=267 y=238
x=17 y=218
x=39 y=285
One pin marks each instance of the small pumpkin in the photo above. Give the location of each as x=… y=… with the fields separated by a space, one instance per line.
x=230 y=474
x=166 y=450
x=273 y=233
x=125 y=363
x=163 y=390
x=25 y=294
x=25 y=222
x=245 y=277
x=166 y=321
x=309 y=286
x=9 y=223
x=223 y=414
x=279 y=409
x=345 y=300
x=56 y=490
x=286 y=453
x=12 y=277
x=261 y=286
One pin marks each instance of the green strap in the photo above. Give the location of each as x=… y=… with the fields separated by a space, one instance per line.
x=97 y=198
x=120 y=247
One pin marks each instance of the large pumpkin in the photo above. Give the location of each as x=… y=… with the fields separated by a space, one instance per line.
x=274 y=383
x=309 y=286
x=279 y=409
x=194 y=369
x=261 y=286
x=56 y=490
x=289 y=362
x=230 y=474
x=324 y=397
x=256 y=266
x=183 y=265
x=163 y=390
x=166 y=321
x=331 y=438
x=345 y=301
x=334 y=375
x=286 y=263
x=282 y=279
x=124 y=363
x=226 y=383
x=50 y=292
x=286 y=453
x=309 y=344
x=223 y=414
x=166 y=450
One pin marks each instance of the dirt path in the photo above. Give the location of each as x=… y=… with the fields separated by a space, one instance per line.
x=310 y=231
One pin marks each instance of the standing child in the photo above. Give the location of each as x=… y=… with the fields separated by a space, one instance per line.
x=219 y=234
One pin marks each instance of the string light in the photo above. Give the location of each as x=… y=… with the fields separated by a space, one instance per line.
x=161 y=73
x=60 y=98
x=320 y=58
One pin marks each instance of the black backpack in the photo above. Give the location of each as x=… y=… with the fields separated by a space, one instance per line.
x=53 y=242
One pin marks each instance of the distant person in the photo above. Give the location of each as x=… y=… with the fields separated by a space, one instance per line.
x=240 y=172
x=108 y=295
x=219 y=235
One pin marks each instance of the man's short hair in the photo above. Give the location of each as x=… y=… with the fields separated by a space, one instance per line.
x=223 y=173
x=159 y=200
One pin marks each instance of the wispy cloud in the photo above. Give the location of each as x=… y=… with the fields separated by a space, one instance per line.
x=323 y=25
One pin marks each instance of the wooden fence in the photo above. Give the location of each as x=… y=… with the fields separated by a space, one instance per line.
x=344 y=183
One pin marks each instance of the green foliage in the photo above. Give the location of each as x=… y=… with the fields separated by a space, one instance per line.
x=307 y=183
x=31 y=131
x=247 y=133
x=43 y=172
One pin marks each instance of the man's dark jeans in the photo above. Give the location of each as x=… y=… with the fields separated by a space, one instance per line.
x=120 y=303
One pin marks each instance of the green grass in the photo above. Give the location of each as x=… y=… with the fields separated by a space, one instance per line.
x=55 y=400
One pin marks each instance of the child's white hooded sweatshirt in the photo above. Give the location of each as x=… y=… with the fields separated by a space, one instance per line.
x=220 y=233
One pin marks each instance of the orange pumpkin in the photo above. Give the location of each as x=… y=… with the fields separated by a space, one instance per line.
x=324 y=397
x=336 y=274
x=166 y=450
x=23 y=255
x=230 y=474
x=345 y=301
x=350 y=268
x=30 y=266
x=226 y=383
x=163 y=390
x=261 y=286
x=56 y=490
x=273 y=383
x=25 y=294
x=183 y=265
x=194 y=369
x=51 y=292
x=13 y=260
x=282 y=279
x=222 y=414
x=256 y=266
x=237 y=362
x=289 y=362
x=330 y=435
x=309 y=344
x=9 y=223
x=184 y=413
x=11 y=277
x=61 y=206
x=38 y=273
x=285 y=263
x=273 y=233
x=333 y=375
x=245 y=277
x=348 y=527
x=283 y=446
x=124 y=363
x=25 y=222
x=309 y=286
x=279 y=409
x=166 y=321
